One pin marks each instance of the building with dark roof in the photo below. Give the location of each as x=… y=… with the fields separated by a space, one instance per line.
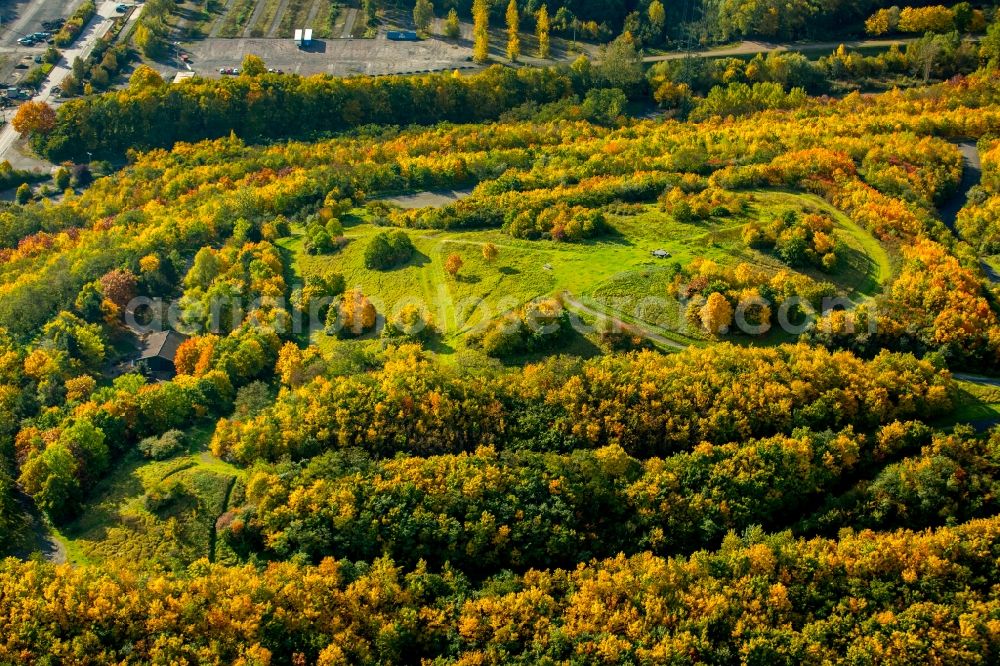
x=158 y=350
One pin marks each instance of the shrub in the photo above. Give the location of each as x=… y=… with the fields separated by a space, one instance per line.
x=164 y=495
x=387 y=250
x=165 y=446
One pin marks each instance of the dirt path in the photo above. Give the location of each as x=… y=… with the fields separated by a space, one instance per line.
x=38 y=537
x=752 y=48
x=977 y=379
x=972 y=174
x=276 y=23
x=350 y=17
x=221 y=19
x=257 y=11
x=640 y=328
x=313 y=12
x=429 y=199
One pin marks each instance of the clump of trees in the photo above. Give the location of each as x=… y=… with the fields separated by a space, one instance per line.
x=388 y=250
x=73 y=26
x=537 y=326
x=799 y=240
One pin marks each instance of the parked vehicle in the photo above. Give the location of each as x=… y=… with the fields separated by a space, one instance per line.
x=402 y=36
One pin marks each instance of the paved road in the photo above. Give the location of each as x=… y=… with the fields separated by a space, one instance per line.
x=972 y=173
x=977 y=379
x=97 y=28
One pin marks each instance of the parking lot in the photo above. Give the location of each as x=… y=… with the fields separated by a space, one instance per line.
x=21 y=18
x=341 y=57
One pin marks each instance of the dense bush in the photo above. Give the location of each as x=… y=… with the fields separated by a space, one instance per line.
x=387 y=250
x=544 y=510
x=647 y=403
x=74 y=24
x=163 y=446
x=537 y=326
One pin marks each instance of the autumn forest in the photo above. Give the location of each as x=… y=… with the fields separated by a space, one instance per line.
x=630 y=359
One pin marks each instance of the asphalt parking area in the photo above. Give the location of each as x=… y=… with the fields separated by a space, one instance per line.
x=339 y=57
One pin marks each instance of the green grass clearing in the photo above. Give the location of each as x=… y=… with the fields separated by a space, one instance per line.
x=975 y=403
x=116 y=522
x=617 y=272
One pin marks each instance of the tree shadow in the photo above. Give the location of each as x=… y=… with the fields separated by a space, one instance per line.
x=349 y=220
x=610 y=236
x=418 y=260
x=508 y=270
x=106 y=499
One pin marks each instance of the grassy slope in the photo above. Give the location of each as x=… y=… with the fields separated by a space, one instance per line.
x=115 y=522
x=978 y=404
x=615 y=273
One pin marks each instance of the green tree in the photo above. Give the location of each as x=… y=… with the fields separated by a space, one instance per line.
x=79 y=68
x=962 y=16
x=148 y=41
x=620 y=64
x=88 y=302
x=481 y=31
x=452 y=27
x=989 y=49
x=387 y=250
x=80 y=340
x=542 y=31
x=253 y=66
x=23 y=194
x=50 y=477
x=371 y=12
x=423 y=14
x=205 y=269
x=87 y=442
x=513 y=31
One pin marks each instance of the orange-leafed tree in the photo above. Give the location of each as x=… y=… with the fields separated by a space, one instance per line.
x=490 y=252
x=453 y=264
x=34 y=118
x=118 y=286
